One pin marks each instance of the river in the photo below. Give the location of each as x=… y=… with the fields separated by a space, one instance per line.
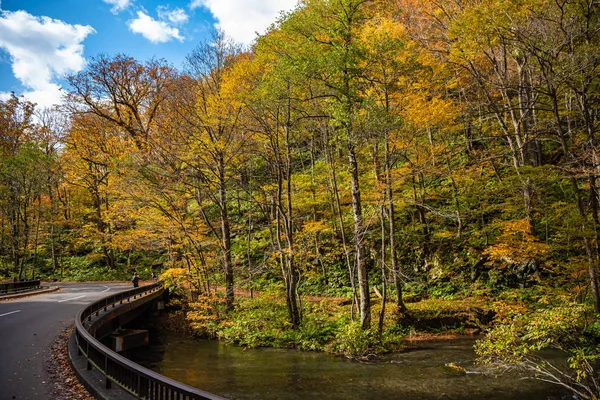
x=417 y=373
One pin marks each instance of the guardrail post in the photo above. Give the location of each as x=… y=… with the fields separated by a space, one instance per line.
x=78 y=343
x=88 y=365
x=108 y=382
x=139 y=386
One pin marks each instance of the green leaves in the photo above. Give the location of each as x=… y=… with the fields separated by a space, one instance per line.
x=558 y=324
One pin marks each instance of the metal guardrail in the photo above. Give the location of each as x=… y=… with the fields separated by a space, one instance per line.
x=16 y=287
x=135 y=379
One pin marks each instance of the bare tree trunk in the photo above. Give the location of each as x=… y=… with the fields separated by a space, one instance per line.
x=15 y=233
x=36 y=238
x=383 y=269
x=248 y=237
x=55 y=263
x=392 y=229
x=225 y=236
x=456 y=201
x=338 y=209
x=292 y=271
x=591 y=250
x=363 y=278
x=26 y=234
x=422 y=218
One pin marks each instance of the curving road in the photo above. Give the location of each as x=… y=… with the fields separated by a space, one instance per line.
x=28 y=327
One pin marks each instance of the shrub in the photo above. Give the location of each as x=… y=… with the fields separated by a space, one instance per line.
x=522 y=333
x=263 y=322
x=80 y=269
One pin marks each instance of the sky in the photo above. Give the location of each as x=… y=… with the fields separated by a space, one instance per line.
x=41 y=41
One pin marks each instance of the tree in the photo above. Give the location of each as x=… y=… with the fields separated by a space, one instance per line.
x=90 y=162
x=124 y=92
x=216 y=140
x=328 y=50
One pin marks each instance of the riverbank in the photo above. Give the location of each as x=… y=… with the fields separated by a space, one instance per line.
x=328 y=325
x=424 y=354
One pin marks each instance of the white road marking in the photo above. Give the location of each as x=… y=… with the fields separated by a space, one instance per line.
x=107 y=289
x=72 y=298
x=8 y=313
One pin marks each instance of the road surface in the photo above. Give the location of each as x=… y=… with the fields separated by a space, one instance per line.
x=28 y=327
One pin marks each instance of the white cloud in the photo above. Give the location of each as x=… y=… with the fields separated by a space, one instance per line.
x=241 y=19
x=153 y=30
x=177 y=16
x=118 y=5
x=42 y=49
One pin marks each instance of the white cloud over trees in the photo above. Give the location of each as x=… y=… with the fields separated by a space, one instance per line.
x=42 y=50
x=159 y=30
x=242 y=19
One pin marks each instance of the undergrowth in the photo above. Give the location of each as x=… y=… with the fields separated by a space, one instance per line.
x=326 y=325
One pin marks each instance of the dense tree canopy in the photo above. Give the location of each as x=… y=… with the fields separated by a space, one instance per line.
x=430 y=147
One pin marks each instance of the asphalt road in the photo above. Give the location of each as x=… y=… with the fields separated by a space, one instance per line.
x=28 y=327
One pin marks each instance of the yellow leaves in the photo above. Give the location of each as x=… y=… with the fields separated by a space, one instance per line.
x=445 y=234
x=239 y=80
x=322 y=37
x=425 y=112
x=382 y=32
x=173 y=277
x=485 y=24
x=205 y=313
x=173 y=273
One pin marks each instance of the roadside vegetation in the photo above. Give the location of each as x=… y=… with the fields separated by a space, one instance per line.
x=366 y=172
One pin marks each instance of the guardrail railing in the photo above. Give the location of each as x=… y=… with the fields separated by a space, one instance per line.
x=15 y=287
x=135 y=379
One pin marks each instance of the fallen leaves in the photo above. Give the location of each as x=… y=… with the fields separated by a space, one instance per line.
x=64 y=384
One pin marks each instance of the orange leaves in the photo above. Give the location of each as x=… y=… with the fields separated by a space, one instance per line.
x=517 y=244
x=316 y=227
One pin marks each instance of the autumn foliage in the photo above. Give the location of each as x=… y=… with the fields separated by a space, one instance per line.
x=436 y=148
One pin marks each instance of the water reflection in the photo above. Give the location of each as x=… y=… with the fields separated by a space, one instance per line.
x=419 y=373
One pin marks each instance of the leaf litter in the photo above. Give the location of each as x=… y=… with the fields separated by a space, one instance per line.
x=64 y=385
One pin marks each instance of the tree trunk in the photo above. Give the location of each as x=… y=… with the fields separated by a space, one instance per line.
x=383 y=270
x=292 y=271
x=363 y=278
x=338 y=209
x=225 y=236
x=392 y=229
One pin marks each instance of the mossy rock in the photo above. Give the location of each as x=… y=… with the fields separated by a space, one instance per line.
x=453 y=369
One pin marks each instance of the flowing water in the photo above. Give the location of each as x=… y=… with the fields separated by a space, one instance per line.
x=417 y=373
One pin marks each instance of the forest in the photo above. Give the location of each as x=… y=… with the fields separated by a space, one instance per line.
x=403 y=158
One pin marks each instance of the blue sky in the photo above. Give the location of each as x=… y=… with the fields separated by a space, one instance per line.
x=42 y=40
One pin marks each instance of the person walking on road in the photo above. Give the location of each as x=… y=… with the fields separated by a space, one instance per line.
x=135 y=279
